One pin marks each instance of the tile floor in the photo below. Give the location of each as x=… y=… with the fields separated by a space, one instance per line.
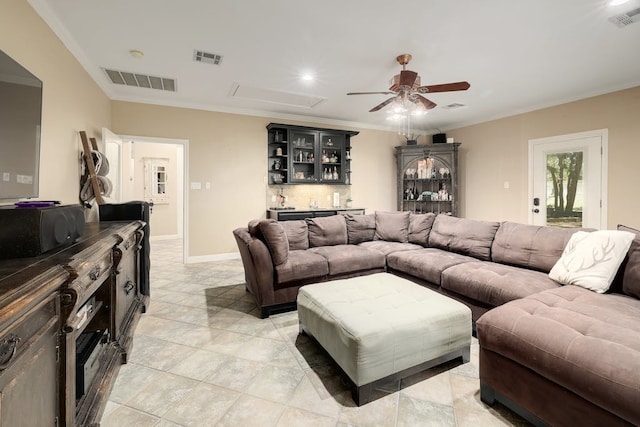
x=202 y=357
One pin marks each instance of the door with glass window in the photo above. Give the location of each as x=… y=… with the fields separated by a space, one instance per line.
x=567 y=180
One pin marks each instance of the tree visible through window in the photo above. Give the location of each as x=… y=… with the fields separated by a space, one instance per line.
x=565 y=189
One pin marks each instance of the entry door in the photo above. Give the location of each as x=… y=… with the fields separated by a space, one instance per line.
x=568 y=180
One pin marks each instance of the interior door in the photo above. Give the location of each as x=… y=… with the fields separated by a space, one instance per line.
x=113 y=151
x=567 y=175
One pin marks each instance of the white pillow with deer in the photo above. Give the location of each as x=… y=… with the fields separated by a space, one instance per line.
x=591 y=259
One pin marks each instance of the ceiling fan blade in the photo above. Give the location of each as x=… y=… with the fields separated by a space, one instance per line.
x=407 y=78
x=382 y=104
x=428 y=104
x=371 y=93
x=447 y=87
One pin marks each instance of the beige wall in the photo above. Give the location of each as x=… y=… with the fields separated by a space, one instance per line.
x=496 y=151
x=230 y=152
x=71 y=99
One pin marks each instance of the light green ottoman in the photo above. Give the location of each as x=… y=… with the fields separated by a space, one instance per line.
x=381 y=327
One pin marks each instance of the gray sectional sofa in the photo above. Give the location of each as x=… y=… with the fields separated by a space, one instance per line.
x=555 y=354
x=481 y=263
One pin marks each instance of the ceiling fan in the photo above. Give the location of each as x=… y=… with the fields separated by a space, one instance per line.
x=406 y=88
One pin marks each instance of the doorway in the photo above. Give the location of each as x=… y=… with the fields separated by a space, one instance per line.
x=154 y=170
x=567 y=180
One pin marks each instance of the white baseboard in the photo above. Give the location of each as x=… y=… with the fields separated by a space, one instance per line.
x=210 y=258
x=165 y=237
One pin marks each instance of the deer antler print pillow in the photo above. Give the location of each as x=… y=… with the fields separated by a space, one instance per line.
x=591 y=259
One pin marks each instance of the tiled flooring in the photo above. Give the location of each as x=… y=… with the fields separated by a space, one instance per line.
x=202 y=357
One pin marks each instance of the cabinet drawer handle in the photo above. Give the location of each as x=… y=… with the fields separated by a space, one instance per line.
x=8 y=348
x=95 y=273
x=128 y=287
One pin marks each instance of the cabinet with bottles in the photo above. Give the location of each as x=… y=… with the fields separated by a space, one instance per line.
x=304 y=155
x=428 y=178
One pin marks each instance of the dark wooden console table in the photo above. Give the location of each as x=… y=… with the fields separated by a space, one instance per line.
x=49 y=306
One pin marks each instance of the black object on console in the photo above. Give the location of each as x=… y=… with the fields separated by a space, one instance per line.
x=131 y=211
x=31 y=231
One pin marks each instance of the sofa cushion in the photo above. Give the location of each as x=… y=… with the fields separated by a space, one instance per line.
x=426 y=263
x=327 y=231
x=530 y=246
x=276 y=239
x=392 y=226
x=586 y=342
x=591 y=260
x=389 y=247
x=631 y=265
x=254 y=229
x=420 y=227
x=360 y=228
x=301 y=265
x=344 y=259
x=297 y=234
x=464 y=236
x=494 y=284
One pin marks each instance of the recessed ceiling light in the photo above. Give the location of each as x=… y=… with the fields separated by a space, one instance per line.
x=617 y=2
x=307 y=77
x=136 y=53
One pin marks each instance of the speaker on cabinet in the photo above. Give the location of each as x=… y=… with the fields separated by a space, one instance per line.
x=26 y=232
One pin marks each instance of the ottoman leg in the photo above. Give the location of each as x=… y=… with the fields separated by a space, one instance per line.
x=487 y=395
x=362 y=394
x=466 y=355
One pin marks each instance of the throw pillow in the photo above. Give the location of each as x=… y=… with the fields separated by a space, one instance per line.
x=420 y=227
x=591 y=260
x=631 y=265
x=276 y=240
x=327 y=231
x=392 y=226
x=360 y=228
x=297 y=234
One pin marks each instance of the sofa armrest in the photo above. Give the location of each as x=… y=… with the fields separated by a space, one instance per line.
x=258 y=266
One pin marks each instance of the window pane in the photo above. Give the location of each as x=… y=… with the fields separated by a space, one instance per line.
x=565 y=189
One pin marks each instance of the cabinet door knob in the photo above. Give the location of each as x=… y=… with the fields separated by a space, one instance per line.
x=95 y=273
x=8 y=348
x=128 y=287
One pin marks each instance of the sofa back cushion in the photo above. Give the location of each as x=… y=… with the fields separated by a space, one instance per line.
x=392 y=226
x=327 y=231
x=360 y=228
x=420 y=227
x=276 y=239
x=254 y=229
x=297 y=234
x=630 y=268
x=464 y=236
x=530 y=246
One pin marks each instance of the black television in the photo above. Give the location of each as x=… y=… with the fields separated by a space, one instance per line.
x=20 y=120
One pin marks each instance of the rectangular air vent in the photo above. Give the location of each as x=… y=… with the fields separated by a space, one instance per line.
x=624 y=19
x=140 y=80
x=206 y=57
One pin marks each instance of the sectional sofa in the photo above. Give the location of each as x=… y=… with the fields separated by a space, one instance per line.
x=556 y=354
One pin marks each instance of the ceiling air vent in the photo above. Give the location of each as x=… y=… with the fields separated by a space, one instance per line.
x=140 y=80
x=624 y=19
x=206 y=57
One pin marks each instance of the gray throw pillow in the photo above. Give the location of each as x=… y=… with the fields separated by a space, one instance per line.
x=420 y=227
x=392 y=226
x=327 y=231
x=276 y=240
x=297 y=234
x=360 y=228
x=631 y=265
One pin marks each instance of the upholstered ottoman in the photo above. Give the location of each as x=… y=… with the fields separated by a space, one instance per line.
x=381 y=327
